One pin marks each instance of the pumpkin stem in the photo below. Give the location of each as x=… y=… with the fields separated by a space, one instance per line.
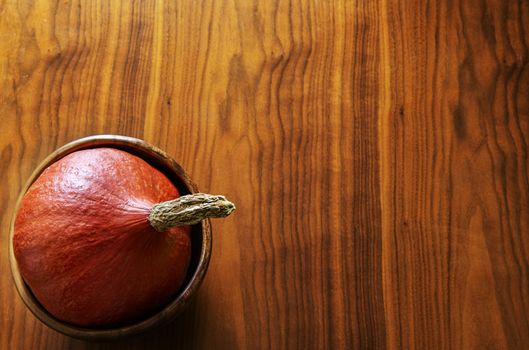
x=189 y=210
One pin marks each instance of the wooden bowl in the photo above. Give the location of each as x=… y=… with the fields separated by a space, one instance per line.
x=200 y=240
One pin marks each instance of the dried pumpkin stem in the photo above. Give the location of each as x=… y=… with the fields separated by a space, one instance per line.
x=189 y=210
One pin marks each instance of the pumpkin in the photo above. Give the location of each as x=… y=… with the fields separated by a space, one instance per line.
x=102 y=237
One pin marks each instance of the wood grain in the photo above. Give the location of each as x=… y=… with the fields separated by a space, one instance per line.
x=454 y=173
x=376 y=151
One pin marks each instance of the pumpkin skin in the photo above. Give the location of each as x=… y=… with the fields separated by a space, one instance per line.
x=84 y=245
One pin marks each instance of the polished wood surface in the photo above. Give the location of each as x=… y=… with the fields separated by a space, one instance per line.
x=376 y=151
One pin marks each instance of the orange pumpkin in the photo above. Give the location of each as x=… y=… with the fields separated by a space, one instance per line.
x=85 y=238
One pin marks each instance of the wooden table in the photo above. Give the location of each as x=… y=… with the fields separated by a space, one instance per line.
x=376 y=151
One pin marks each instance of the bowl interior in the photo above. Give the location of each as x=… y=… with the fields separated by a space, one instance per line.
x=200 y=241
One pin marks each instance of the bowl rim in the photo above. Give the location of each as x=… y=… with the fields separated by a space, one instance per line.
x=170 y=311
